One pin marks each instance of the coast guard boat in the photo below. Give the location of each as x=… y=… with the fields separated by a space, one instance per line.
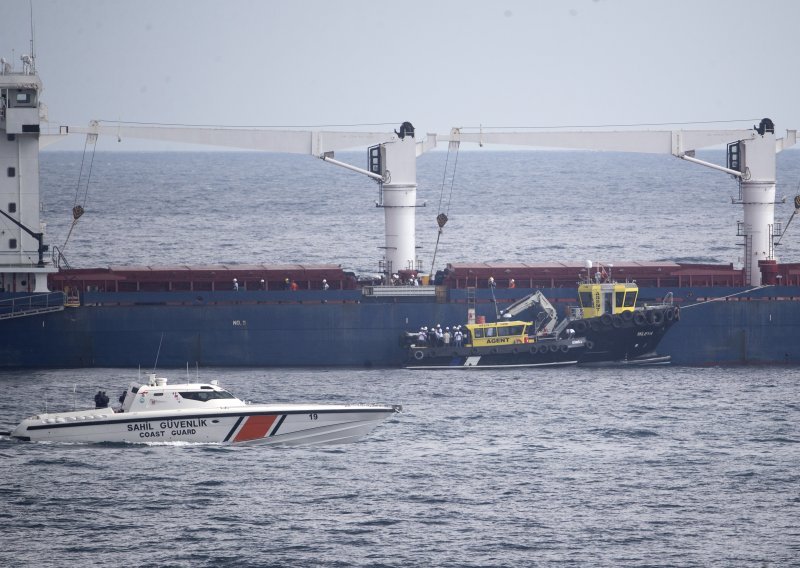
x=204 y=413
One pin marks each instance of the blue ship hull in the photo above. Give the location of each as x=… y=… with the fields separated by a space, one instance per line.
x=345 y=328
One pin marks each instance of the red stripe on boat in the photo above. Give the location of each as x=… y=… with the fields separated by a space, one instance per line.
x=255 y=427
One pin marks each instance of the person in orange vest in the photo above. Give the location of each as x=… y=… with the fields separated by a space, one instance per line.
x=512 y=284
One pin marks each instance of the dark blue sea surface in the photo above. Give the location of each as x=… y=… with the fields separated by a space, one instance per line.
x=604 y=467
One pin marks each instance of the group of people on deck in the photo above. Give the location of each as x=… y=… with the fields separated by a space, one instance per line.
x=435 y=336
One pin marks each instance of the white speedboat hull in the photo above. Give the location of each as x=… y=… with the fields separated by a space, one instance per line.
x=203 y=413
x=317 y=424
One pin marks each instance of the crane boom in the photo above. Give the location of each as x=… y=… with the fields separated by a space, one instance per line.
x=535 y=299
x=311 y=142
x=675 y=142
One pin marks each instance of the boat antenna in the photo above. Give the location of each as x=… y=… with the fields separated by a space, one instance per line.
x=158 y=352
x=33 y=42
x=75 y=397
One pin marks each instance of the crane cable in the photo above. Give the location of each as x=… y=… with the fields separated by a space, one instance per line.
x=441 y=218
x=789 y=222
x=78 y=209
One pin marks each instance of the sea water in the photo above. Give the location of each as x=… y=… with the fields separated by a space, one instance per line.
x=660 y=467
x=607 y=467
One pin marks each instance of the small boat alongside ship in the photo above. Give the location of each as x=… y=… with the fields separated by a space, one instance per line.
x=203 y=413
x=608 y=328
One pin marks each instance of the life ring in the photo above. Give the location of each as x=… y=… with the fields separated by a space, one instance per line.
x=627 y=315
x=564 y=348
x=605 y=319
x=418 y=355
x=616 y=321
x=639 y=319
x=579 y=326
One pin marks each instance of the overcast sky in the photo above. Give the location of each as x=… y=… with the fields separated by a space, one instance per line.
x=435 y=63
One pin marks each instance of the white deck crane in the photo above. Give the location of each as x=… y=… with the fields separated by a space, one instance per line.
x=392 y=163
x=751 y=159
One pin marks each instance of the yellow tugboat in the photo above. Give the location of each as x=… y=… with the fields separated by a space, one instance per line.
x=607 y=328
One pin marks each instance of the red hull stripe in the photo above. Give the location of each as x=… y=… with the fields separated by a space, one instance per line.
x=255 y=427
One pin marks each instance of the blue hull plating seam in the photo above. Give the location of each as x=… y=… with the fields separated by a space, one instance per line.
x=230 y=329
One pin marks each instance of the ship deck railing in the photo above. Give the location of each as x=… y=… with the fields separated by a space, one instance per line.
x=393 y=291
x=23 y=306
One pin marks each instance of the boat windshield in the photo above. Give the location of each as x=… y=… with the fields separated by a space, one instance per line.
x=205 y=395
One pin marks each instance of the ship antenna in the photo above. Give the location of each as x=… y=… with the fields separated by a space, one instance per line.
x=33 y=42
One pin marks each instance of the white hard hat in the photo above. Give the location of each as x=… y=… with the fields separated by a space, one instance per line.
x=234 y=279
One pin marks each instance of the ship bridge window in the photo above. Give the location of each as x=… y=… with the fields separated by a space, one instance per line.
x=630 y=299
x=24 y=98
x=204 y=396
x=586 y=299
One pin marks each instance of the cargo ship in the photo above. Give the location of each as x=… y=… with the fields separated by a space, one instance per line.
x=52 y=315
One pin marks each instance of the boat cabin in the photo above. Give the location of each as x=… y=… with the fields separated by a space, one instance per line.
x=157 y=395
x=607 y=298
x=499 y=333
